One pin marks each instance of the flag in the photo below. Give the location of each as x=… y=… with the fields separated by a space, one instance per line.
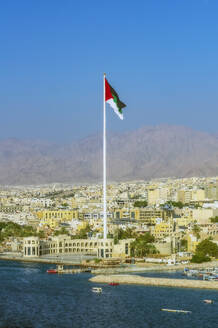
x=112 y=98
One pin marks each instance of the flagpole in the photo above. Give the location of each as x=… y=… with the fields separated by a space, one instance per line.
x=104 y=164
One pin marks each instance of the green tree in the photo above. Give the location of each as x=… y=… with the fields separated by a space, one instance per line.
x=174 y=204
x=200 y=258
x=41 y=234
x=64 y=205
x=207 y=247
x=124 y=234
x=11 y=229
x=62 y=231
x=143 y=245
x=196 y=231
x=204 y=250
x=140 y=203
x=184 y=245
x=214 y=220
x=82 y=234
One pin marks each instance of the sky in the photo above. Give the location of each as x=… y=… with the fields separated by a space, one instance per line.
x=161 y=56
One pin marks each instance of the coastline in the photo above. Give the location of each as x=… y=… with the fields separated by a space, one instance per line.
x=33 y=260
x=158 y=282
x=109 y=270
x=145 y=267
x=59 y=261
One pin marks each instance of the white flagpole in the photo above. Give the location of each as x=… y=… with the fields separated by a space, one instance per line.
x=104 y=165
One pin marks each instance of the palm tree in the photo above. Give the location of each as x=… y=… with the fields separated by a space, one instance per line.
x=196 y=231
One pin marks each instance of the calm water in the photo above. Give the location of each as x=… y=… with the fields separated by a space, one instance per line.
x=32 y=298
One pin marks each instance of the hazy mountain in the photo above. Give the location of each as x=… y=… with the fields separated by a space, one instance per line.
x=145 y=153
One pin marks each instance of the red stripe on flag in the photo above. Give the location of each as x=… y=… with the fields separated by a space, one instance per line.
x=108 y=94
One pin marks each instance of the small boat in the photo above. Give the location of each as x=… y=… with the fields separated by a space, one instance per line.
x=192 y=273
x=208 y=301
x=52 y=271
x=178 y=311
x=96 y=289
x=114 y=284
x=212 y=278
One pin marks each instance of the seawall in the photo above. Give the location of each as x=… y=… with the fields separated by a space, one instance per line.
x=159 y=282
x=57 y=262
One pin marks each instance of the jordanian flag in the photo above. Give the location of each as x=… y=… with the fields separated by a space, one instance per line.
x=112 y=98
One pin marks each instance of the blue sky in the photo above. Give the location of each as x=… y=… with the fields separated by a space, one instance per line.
x=161 y=56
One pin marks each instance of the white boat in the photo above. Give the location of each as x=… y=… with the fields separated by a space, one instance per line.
x=96 y=289
x=208 y=301
x=212 y=278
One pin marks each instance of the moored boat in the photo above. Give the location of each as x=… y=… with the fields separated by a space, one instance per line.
x=114 y=284
x=52 y=271
x=212 y=278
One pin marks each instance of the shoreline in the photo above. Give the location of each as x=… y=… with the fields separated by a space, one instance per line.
x=156 y=282
x=156 y=268
x=33 y=260
x=112 y=269
x=56 y=262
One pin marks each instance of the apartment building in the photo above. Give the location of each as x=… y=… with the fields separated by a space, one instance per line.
x=162 y=230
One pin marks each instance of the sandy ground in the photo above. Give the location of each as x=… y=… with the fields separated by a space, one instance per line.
x=139 y=280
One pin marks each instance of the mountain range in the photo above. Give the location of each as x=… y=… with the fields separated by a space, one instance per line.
x=142 y=154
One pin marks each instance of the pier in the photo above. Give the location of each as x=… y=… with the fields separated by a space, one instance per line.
x=61 y=270
x=159 y=282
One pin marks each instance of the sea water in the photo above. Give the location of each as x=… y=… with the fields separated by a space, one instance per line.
x=29 y=297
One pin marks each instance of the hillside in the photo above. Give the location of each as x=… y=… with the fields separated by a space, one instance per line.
x=149 y=152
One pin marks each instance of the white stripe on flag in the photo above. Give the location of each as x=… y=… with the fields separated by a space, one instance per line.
x=115 y=108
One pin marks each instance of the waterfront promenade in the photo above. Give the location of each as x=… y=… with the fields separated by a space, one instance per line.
x=158 y=282
x=98 y=268
x=61 y=259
